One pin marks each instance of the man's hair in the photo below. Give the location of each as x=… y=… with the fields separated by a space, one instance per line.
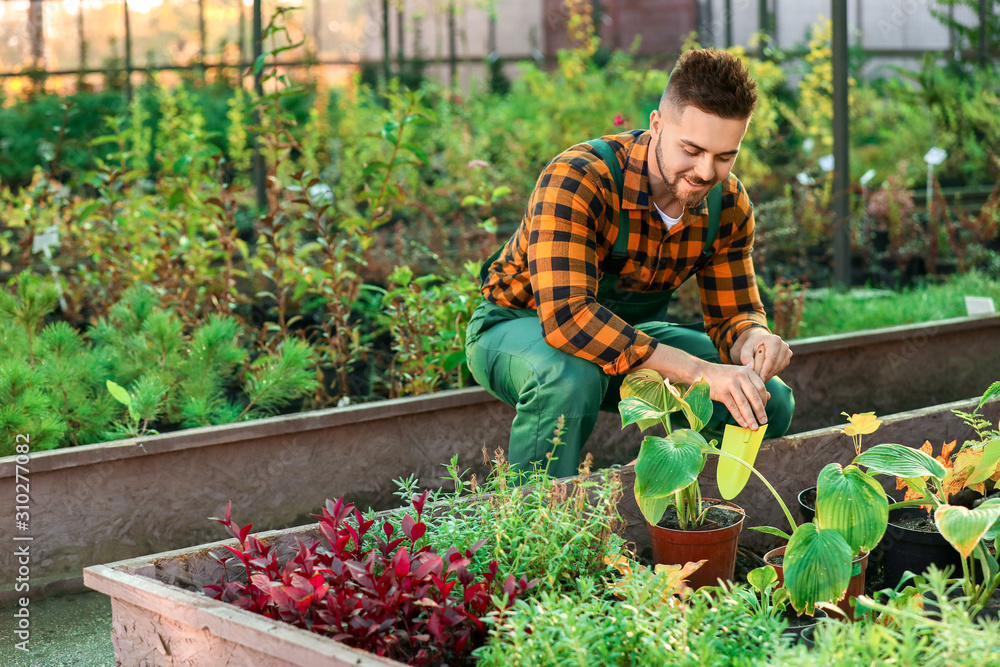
x=716 y=82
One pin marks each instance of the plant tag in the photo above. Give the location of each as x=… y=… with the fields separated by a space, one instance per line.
x=48 y=238
x=980 y=305
x=935 y=156
x=827 y=162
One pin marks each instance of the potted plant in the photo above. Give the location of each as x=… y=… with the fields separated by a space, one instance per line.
x=858 y=425
x=850 y=517
x=913 y=541
x=683 y=526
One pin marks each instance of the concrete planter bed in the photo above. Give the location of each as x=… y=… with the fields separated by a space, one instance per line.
x=105 y=502
x=160 y=618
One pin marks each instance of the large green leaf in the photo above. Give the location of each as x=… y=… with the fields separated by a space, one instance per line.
x=900 y=461
x=817 y=567
x=962 y=527
x=697 y=404
x=853 y=504
x=648 y=385
x=666 y=465
x=653 y=507
x=635 y=410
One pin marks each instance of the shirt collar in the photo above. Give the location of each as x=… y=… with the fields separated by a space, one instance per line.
x=636 y=190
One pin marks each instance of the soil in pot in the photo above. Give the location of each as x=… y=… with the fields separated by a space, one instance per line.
x=912 y=543
x=716 y=542
x=717 y=516
x=856 y=587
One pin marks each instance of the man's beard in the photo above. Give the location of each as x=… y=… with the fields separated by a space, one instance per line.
x=691 y=200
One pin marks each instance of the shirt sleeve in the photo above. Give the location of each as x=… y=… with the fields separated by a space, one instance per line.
x=729 y=296
x=565 y=210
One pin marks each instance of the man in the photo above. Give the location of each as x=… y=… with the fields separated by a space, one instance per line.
x=572 y=304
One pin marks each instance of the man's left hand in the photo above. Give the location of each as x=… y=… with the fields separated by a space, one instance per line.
x=765 y=352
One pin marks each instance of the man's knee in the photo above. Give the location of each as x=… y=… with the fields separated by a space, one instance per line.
x=780 y=408
x=573 y=386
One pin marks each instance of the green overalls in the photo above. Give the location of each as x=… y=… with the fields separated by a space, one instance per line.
x=509 y=357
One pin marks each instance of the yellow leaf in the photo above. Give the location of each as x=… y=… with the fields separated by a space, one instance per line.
x=862 y=424
x=676 y=580
x=621 y=563
x=927 y=448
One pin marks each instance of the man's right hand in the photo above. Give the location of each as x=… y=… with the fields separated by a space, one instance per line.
x=738 y=387
x=741 y=390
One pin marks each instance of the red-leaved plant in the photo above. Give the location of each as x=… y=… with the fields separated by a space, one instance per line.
x=396 y=599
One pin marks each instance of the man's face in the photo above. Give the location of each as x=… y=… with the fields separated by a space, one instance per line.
x=693 y=151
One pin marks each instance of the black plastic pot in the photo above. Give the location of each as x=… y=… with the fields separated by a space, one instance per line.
x=807 y=508
x=808 y=637
x=802 y=633
x=904 y=549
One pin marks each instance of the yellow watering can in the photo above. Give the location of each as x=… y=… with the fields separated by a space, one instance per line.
x=744 y=444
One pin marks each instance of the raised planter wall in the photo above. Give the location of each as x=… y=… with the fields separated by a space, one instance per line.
x=105 y=502
x=161 y=618
x=892 y=370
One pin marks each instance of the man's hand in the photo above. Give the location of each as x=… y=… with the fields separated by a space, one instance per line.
x=764 y=353
x=742 y=391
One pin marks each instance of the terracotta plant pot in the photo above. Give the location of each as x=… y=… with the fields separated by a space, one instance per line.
x=717 y=546
x=855 y=588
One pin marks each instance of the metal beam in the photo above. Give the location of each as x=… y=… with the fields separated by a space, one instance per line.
x=984 y=11
x=259 y=168
x=841 y=150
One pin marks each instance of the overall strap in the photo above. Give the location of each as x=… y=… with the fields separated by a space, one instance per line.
x=619 y=254
x=714 y=214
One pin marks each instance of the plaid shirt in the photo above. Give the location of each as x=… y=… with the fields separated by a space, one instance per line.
x=553 y=263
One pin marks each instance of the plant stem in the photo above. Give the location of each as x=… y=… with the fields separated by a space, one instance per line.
x=788 y=514
x=926 y=500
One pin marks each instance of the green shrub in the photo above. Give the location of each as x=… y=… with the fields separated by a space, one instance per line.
x=587 y=627
x=139 y=368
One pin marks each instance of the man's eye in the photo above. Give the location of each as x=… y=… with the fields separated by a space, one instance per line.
x=690 y=154
x=728 y=158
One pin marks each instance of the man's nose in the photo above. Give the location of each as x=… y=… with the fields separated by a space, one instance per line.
x=705 y=170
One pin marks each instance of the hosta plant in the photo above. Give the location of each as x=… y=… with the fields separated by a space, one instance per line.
x=399 y=599
x=932 y=482
x=667 y=469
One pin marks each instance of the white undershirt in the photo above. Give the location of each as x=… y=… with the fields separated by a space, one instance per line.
x=667 y=220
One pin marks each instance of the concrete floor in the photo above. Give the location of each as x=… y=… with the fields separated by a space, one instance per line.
x=65 y=630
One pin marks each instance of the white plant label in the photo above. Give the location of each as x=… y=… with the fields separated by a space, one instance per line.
x=935 y=156
x=980 y=305
x=867 y=177
x=826 y=162
x=44 y=241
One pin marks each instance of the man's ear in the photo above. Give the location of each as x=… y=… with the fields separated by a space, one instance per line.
x=655 y=121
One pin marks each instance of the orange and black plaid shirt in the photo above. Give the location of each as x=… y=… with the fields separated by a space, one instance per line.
x=553 y=263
